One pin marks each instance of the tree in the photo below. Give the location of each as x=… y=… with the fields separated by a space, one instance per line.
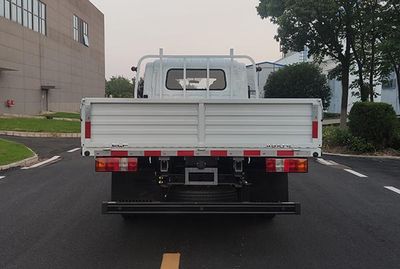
x=390 y=45
x=368 y=22
x=303 y=80
x=324 y=26
x=119 y=87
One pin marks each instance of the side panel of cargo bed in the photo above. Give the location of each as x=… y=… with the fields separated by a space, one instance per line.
x=198 y=124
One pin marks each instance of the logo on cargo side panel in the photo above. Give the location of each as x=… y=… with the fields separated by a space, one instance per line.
x=120 y=145
x=278 y=146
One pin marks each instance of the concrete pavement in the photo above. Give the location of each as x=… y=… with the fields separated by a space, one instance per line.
x=51 y=219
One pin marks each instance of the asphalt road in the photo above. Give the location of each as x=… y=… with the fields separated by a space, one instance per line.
x=46 y=147
x=50 y=217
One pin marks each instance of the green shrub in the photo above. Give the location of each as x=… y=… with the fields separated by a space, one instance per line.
x=375 y=122
x=301 y=80
x=337 y=137
x=358 y=144
x=396 y=139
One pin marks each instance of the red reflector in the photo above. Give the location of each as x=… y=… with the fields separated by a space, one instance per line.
x=252 y=153
x=108 y=164
x=219 y=153
x=88 y=129
x=119 y=153
x=185 y=153
x=285 y=153
x=315 y=129
x=286 y=165
x=152 y=153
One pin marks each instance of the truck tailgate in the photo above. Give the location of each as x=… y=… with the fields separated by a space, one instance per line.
x=140 y=124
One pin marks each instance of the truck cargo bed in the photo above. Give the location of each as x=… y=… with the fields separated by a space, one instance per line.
x=232 y=127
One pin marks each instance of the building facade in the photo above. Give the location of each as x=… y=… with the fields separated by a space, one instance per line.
x=51 y=55
x=390 y=93
x=387 y=92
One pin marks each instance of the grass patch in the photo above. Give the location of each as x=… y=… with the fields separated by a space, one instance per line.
x=39 y=125
x=11 y=152
x=65 y=115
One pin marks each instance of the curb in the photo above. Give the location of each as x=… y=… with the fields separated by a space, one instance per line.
x=43 y=135
x=362 y=156
x=26 y=162
x=67 y=119
x=38 y=118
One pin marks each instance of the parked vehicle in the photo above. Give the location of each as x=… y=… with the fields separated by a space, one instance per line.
x=193 y=141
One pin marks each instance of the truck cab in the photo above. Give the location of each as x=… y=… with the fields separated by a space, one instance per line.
x=227 y=79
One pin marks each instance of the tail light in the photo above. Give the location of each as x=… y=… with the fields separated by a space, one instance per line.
x=88 y=129
x=107 y=164
x=315 y=129
x=286 y=165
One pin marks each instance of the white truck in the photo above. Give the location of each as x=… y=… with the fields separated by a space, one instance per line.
x=194 y=141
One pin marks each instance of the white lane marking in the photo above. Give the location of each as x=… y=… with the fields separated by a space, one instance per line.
x=396 y=190
x=325 y=162
x=73 y=150
x=2 y=177
x=355 y=173
x=52 y=159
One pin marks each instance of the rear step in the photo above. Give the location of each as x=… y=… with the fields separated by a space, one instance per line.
x=288 y=208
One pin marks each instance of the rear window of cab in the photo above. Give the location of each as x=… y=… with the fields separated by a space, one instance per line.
x=196 y=79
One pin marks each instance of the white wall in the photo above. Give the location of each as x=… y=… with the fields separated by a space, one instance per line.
x=294 y=57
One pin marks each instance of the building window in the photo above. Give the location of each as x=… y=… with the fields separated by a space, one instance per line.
x=14 y=10
x=80 y=31
x=29 y=13
x=1 y=8
x=76 y=28
x=389 y=84
x=42 y=18
x=85 y=34
x=7 y=9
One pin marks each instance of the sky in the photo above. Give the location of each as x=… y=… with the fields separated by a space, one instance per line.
x=139 y=27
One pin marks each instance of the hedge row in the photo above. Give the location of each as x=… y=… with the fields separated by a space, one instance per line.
x=372 y=127
x=375 y=122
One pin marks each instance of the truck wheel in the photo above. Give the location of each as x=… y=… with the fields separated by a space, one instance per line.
x=268 y=187
x=137 y=186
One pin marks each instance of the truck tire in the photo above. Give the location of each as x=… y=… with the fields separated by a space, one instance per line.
x=268 y=187
x=134 y=187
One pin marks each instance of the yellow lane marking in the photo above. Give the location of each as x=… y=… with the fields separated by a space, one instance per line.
x=170 y=261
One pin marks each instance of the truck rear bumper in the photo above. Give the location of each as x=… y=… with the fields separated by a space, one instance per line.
x=288 y=208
